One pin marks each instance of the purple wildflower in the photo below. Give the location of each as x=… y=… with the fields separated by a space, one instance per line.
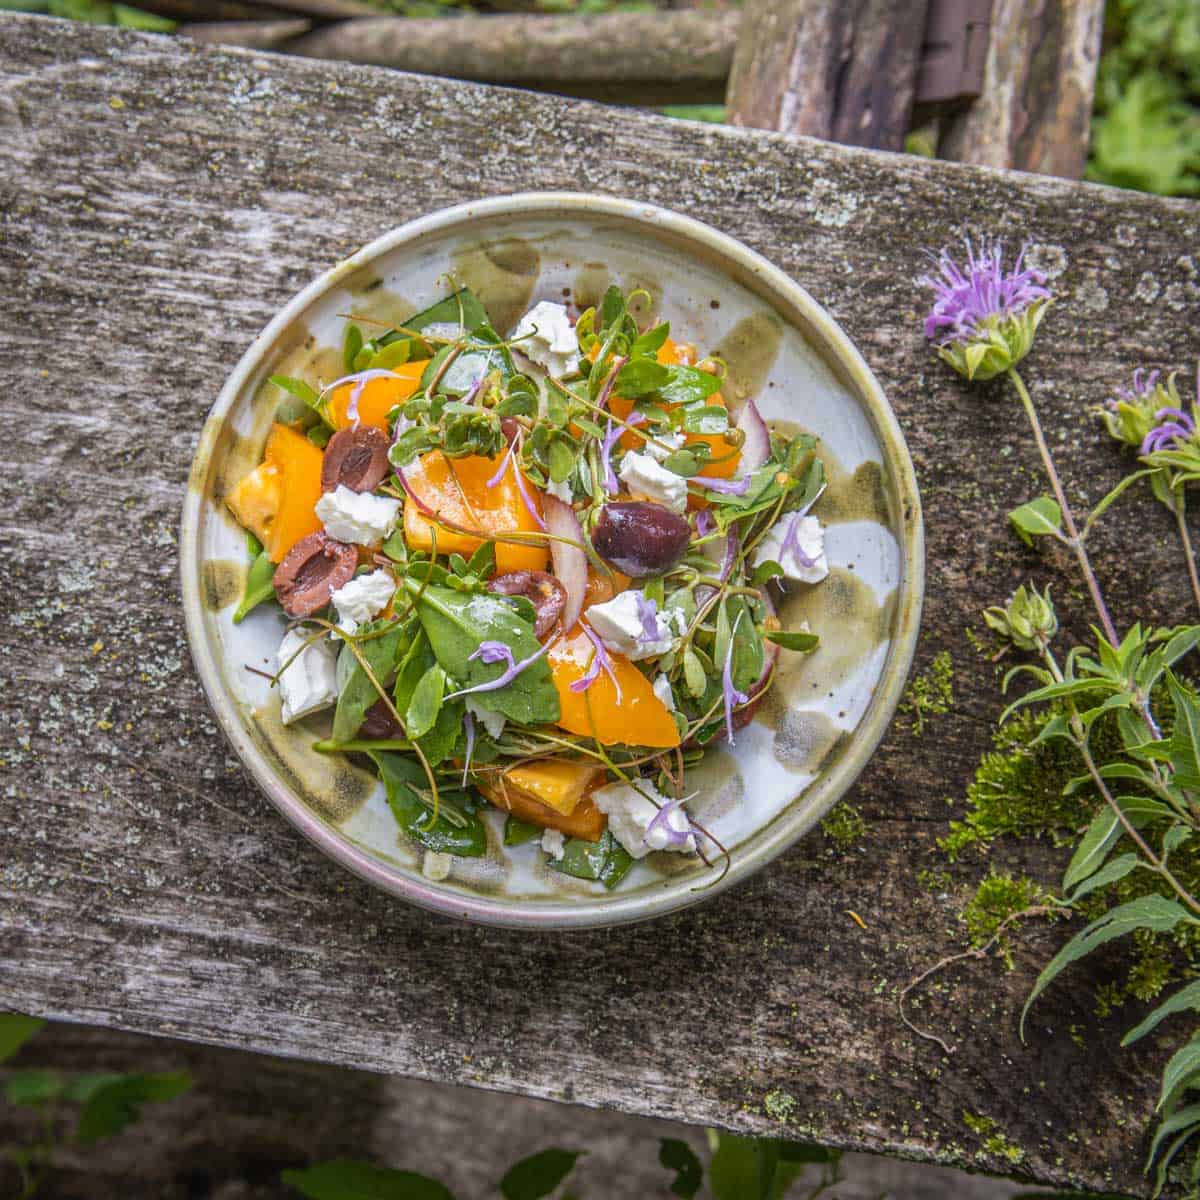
x=648 y=615
x=526 y=499
x=492 y=652
x=612 y=434
x=499 y=475
x=731 y=694
x=675 y=837
x=1174 y=426
x=705 y=523
x=964 y=299
x=600 y=662
x=1144 y=385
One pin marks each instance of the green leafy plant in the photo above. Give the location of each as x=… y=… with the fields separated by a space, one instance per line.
x=102 y=1104
x=1136 y=773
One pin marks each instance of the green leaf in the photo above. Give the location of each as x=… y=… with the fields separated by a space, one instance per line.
x=651 y=341
x=32 y=1088
x=538 y=1175
x=679 y=1157
x=426 y=703
x=404 y=782
x=518 y=832
x=358 y=693
x=743 y=1168
x=640 y=377
x=344 y=1179
x=1038 y=518
x=391 y=356
x=304 y=392
x=1187 y=997
x=260 y=586
x=808 y=1152
x=1104 y=504
x=1152 y=912
x=456 y=625
x=459 y=308
x=117 y=1103
x=352 y=343
x=706 y=419
x=15 y=1030
x=1183 y=1065
x=687 y=385
x=766 y=570
x=1113 y=870
x=1185 y=738
x=1103 y=833
x=605 y=861
x=793 y=639
x=1182 y=1119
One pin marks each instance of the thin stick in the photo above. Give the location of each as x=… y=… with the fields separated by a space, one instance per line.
x=1180 y=507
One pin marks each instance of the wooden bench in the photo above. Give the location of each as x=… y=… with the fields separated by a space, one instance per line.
x=160 y=201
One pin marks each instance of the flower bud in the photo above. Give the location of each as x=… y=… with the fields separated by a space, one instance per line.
x=1028 y=620
x=997 y=344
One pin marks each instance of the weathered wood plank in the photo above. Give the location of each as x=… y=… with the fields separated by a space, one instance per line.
x=158 y=201
x=249 y=1116
x=1035 y=111
x=844 y=72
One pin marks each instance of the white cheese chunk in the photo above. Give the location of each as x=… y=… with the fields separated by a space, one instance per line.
x=492 y=721
x=810 y=536
x=358 y=517
x=630 y=815
x=547 y=337
x=364 y=597
x=650 y=480
x=554 y=843
x=662 y=689
x=309 y=679
x=618 y=622
x=561 y=491
x=670 y=442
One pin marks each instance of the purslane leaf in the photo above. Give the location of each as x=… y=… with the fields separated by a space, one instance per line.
x=538 y=1175
x=344 y=1179
x=679 y=1157
x=118 y=1102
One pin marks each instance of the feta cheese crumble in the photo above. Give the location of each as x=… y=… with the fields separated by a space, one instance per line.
x=362 y=598
x=780 y=545
x=358 y=517
x=650 y=480
x=619 y=623
x=548 y=338
x=630 y=815
x=309 y=680
x=436 y=865
x=554 y=843
x=662 y=689
x=561 y=491
x=659 y=452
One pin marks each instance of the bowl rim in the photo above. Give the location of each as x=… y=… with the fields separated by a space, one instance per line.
x=763 y=846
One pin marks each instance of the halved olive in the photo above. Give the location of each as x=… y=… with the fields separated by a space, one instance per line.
x=311 y=571
x=541 y=588
x=379 y=723
x=357 y=458
x=640 y=537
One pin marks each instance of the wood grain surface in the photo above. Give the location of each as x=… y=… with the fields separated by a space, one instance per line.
x=159 y=200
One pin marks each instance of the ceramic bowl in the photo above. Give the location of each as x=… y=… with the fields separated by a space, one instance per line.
x=828 y=710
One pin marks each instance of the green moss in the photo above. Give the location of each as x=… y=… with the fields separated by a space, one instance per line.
x=1018 y=789
x=994 y=1142
x=998 y=896
x=780 y=1105
x=844 y=825
x=934 y=881
x=931 y=692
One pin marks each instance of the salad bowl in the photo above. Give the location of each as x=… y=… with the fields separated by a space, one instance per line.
x=825 y=712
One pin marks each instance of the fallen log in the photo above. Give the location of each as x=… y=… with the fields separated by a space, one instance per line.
x=684 y=52
x=253 y=35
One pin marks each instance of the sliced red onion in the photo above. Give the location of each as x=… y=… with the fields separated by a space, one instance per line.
x=756 y=448
x=499 y=475
x=569 y=560
x=494 y=652
x=729 y=487
x=611 y=436
x=526 y=499
x=600 y=662
x=606 y=390
x=360 y=379
x=733 y=543
x=705 y=523
x=731 y=694
x=422 y=507
x=469 y=726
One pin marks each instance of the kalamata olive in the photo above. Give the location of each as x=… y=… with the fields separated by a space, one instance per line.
x=510 y=428
x=379 y=723
x=546 y=593
x=357 y=458
x=641 y=538
x=311 y=571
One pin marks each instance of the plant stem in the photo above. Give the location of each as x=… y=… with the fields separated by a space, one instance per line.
x=1180 y=506
x=1073 y=538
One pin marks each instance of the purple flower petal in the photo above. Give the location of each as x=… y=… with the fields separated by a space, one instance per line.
x=600 y=662
x=499 y=475
x=675 y=837
x=729 y=487
x=965 y=298
x=494 y=652
x=705 y=523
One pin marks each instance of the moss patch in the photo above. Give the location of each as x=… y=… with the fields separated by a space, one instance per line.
x=844 y=825
x=930 y=693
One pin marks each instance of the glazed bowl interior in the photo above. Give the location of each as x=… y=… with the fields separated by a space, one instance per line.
x=826 y=712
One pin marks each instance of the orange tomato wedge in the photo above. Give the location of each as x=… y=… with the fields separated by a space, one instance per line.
x=639 y=718
x=276 y=500
x=378 y=397
x=457 y=490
